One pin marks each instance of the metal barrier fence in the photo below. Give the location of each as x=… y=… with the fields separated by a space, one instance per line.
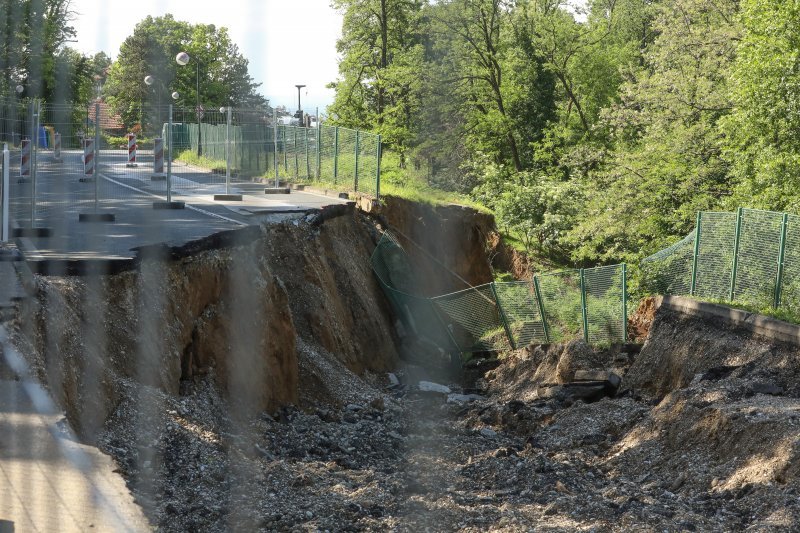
x=80 y=160
x=339 y=158
x=750 y=256
x=552 y=307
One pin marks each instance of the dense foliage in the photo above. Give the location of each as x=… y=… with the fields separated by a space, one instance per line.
x=151 y=51
x=34 y=35
x=594 y=133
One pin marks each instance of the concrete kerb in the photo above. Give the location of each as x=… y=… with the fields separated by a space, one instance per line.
x=228 y=198
x=763 y=326
x=365 y=202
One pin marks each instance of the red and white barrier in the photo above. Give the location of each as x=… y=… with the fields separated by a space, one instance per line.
x=57 y=147
x=131 y=151
x=158 y=158
x=88 y=157
x=25 y=163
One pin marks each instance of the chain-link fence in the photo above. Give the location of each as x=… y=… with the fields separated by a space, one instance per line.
x=750 y=256
x=552 y=307
x=329 y=156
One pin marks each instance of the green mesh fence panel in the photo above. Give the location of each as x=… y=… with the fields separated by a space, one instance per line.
x=367 y=163
x=669 y=271
x=347 y=157
x=518 y=302
x=474 y=319
x=757 y=258
x=604 y=304
x=561 y=300
x=790 y=286
x=328 y=154
x=313 y=154
x=715 y=255
x=418 y=314
x=501 y=316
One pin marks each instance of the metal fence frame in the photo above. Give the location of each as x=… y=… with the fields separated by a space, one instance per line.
x=242 y=144
x=750 y=256
x=557 y=306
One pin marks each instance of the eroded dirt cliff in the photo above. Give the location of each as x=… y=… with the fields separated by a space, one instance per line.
x=269 y=311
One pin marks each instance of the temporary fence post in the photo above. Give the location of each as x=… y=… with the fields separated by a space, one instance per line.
x=36 y=109
x=736 y=238
x=308 y=165
x=5 y=191
x=693 y=287
x=378 y=170
x=624 y=302
x=169 y=154
x=781 y=254
x=355 y=181
x=503 y=318
x=228 y=150
x=285 y=152
x=540 y=303
x=275 y=143
x=296 y=160
x=319 y=140
x=319 y=148
x=583 y=308
x=96 y=154
x=335 y=153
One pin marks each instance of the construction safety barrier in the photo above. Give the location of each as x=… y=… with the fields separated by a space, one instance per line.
x=131 y=151
x=158 y=157
x=88 y=157
x=25 y=162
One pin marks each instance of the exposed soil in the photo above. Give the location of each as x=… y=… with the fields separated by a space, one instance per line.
x=702 y=436
x=719 y=453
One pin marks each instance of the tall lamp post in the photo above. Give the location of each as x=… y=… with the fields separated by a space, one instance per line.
x=299 y=113
x=183 y=59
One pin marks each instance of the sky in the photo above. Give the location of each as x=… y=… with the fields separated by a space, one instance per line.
x=287 y=42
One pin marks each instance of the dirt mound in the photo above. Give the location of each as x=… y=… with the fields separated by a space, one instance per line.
x=718 y=453
x=681 y=347
x=451 y=237
x=523 y=372
x=640 y=322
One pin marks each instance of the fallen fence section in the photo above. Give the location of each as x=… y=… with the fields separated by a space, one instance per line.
x=552 y=307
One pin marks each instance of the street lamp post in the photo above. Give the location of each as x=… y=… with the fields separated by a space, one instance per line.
x=299 y=113
x=183 y=59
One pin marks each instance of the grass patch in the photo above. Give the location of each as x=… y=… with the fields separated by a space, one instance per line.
x=412 y=183
x=425 y=194
x=191 y=158
x=787 y=315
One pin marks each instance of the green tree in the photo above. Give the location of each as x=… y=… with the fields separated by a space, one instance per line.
x=32 y=35
x=763 y=144
x=666 y=161
x=151 y=50
x=381 y=71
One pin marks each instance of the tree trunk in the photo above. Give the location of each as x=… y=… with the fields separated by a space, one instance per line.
x=384 y=23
